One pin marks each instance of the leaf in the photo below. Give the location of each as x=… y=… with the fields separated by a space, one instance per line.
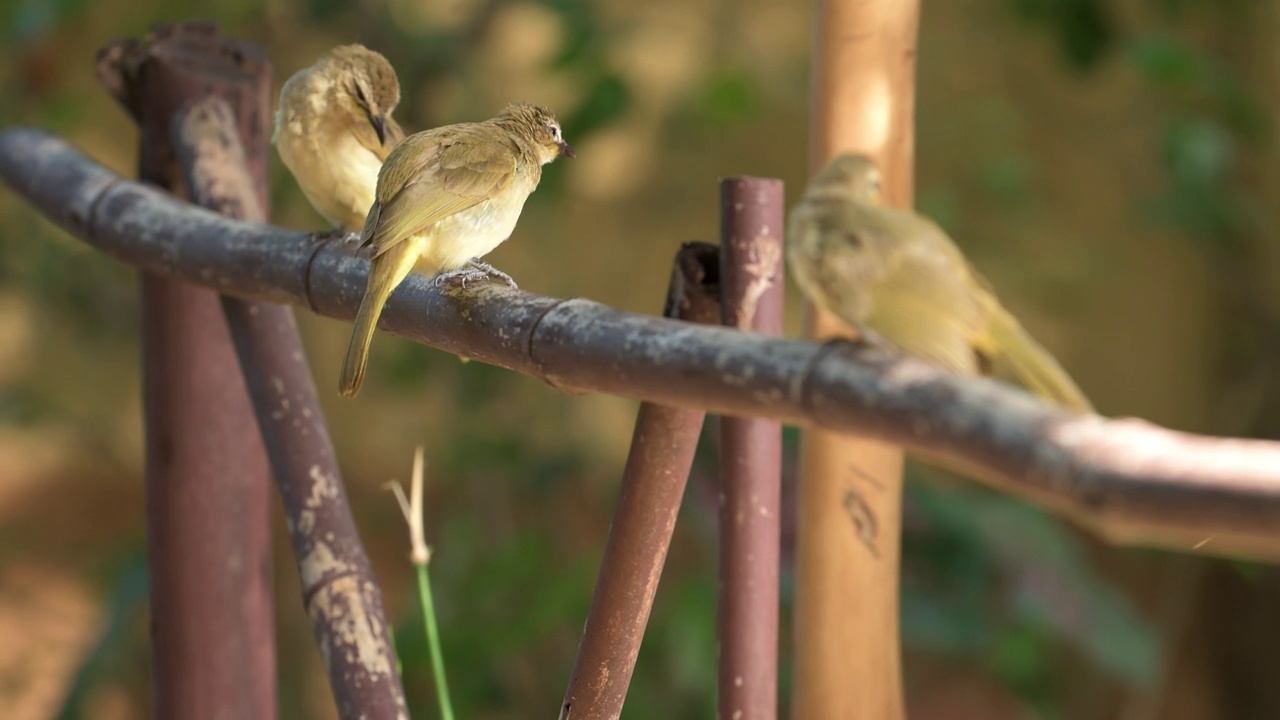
x=1199 y=150
x=581 y=35
x=1167 y=61
x=727 y=96
x=1057 y=588
x=606 y=101
x=126 y=601
x=985 y=574
x=1008 y=178
x=1082 y=27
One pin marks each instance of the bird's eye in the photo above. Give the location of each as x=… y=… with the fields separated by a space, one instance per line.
x=360 y=95
x=555 y=131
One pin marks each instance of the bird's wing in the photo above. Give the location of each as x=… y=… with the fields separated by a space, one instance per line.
x=1014 y=355
x=924 y=300
x=453 y=175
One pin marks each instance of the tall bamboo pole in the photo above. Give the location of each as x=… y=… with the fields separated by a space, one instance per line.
x=848 y=659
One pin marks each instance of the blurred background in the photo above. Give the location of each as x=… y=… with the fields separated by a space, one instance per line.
x=1103 y=163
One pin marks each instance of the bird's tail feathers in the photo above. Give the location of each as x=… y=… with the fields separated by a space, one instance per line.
x=1019 y=357
x=385 y=274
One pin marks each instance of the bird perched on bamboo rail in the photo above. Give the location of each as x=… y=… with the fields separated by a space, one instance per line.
x=898 y=275
x=445 y=198
x=333 y=129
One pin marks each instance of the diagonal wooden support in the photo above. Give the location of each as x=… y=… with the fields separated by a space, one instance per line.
x=653 y=483
x=339 y=590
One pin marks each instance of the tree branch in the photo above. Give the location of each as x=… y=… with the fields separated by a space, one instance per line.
x=1130 y=480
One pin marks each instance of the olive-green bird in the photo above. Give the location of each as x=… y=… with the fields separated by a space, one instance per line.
x=333 y=129
x=447 y=197
x=899 y=275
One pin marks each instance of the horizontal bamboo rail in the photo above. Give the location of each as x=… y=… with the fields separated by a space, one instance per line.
x=1127 y=479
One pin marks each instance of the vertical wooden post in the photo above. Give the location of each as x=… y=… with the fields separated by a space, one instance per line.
x=751 y=277
x=848 y=656
x=208 y=498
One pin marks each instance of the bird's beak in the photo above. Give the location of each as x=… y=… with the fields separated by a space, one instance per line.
x=566 y=150
x=380 y=127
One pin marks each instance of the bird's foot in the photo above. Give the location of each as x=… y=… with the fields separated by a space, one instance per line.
x=475 y=270
x=462 y=275
x=491 y=271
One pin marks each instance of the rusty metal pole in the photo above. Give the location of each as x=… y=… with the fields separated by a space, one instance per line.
x=662 y=449
x=849 y=504
x=751 y=294
x=208 y=497
x=339 y=589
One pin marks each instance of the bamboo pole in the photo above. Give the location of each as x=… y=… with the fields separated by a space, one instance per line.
x=847 y=648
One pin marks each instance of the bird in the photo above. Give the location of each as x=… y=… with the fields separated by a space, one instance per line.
x=445 y=198
x=333 y=130
x=897 y=276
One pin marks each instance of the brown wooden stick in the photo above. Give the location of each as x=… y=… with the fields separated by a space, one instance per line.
x=662 y=449
x=339 y=589
x=751 y=278
x=1126 y=479
x=208 y=499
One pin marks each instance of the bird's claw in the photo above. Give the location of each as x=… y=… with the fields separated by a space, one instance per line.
x=491 y=271
x=475 y=270
x=462 y=275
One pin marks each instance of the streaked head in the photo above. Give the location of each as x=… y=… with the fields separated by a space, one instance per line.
x=539 y=125
x=365 y=83
x=854 y=174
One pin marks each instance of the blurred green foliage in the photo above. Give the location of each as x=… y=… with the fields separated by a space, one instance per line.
x=523 y=478
x=108 y=660
x=1003 y=582
x=1082 y=28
